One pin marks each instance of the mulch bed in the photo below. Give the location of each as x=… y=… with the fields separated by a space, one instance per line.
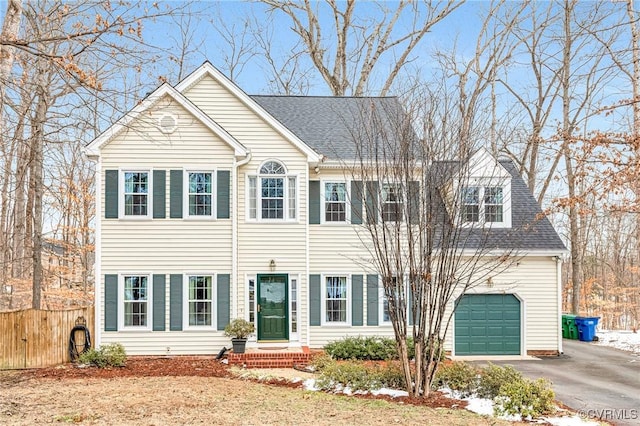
x=140 y=367
x=205 y=367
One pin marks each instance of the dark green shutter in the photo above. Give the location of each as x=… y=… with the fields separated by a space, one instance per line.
x=175 y=302
x=372 y=202
x=222 y=200
x=356 y=202
x=314 y=202
x=175 y=188
x=223 y=300
x=111 y=194
x=159 y=291
x=414 y=202
x=159 y=194
x=372 y=300
x=356 y=300
x=315 y=291
x=110 y=302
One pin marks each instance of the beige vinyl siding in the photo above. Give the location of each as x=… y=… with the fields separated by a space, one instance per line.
x=237 y=119
x=320 y=336
x=166 y=246
x=534 y=281
x=336 y=248
x=258 y=241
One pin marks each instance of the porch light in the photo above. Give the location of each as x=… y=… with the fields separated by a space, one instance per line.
x=272 y=265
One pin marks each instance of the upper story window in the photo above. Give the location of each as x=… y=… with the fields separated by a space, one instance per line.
x=136 y=190
x=272 y=193
x=493 y=204
x=335 y=202
x=199 y=194
x=471 y=204
x=392 y=203
x=483 y=204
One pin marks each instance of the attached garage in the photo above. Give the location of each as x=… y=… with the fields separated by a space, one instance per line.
x=487 y=324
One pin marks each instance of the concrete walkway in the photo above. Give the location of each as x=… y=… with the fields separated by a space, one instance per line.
x=600 y=383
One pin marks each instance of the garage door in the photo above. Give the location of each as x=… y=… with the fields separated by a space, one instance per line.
x=487 y=324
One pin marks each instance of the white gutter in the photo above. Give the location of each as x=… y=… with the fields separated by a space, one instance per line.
x=97 y=265
x=234 y=235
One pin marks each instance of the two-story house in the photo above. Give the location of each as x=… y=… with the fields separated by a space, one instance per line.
x=213 y=204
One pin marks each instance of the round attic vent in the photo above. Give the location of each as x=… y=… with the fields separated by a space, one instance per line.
x=168 y=123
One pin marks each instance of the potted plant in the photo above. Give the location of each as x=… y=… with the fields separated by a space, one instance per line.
x=239 y=329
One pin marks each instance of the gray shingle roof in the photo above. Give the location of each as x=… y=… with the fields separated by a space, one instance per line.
x=328 y=124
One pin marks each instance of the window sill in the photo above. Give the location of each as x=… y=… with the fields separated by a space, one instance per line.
x=273 y=221
x=201 y=328
x=135 y=330
x=336 y=325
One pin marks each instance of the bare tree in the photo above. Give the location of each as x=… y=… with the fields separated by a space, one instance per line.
x=421 y=234
x=63 y=54
x=356 y=48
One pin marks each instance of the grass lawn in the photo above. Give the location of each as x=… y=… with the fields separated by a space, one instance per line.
x=199 y=400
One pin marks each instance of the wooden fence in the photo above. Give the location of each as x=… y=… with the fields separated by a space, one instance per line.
x=34 y=338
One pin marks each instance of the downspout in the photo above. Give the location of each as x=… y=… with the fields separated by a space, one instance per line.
x=97 y=261
x=234 y=236
x=307 y=266
x=559 y=283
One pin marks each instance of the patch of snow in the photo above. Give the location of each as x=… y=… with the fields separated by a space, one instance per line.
x=484 y=407
x=480 y=406
x=310 y=385
x=394 y=393
x=619 y=339
x=569 y=421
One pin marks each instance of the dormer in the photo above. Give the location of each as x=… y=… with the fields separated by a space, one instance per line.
x=479 y=193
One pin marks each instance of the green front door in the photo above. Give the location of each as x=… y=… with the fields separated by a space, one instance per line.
x=273 y=302
x=487 y=324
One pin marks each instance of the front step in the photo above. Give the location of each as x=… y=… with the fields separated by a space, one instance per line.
x=259 y=358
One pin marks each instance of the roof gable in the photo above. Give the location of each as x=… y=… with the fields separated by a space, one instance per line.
x=209 y=70
x=484 y=165
x=93 y=149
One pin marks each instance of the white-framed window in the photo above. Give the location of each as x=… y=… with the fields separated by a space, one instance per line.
x=135 y=301
x=485 y=205
x=471 y=204
x=336 y=309
x=199 y=302
x=493 y=200
x=293 y=308
x=251 y=299
x=135 y=194
x=384 y=318
x=392 y=202
x=272 y=194
x=334 y=201
x=198 y=192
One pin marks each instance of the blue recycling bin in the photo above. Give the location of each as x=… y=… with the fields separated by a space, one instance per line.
x=586 y=328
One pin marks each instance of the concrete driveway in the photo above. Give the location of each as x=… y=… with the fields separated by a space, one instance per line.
x=600 y=383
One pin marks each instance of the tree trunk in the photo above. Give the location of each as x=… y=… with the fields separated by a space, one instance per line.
x=36 y=188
